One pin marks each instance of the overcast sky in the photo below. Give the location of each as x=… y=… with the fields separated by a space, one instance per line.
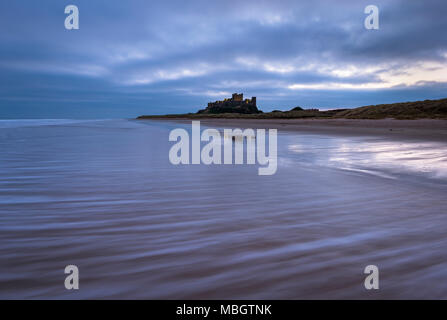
x=155 y=57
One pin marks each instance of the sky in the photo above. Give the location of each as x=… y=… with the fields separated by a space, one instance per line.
x=156 y=57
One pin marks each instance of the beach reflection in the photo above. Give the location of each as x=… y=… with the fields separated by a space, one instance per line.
x=384 y=158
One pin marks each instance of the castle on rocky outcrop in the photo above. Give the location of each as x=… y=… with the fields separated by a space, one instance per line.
x=235 y=104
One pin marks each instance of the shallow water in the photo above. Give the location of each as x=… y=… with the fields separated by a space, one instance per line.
x=102 y=195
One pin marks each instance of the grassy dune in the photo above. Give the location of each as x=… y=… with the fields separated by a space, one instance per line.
x=428 y=109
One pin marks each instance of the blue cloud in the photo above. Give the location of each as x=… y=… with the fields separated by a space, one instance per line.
x=135 y=57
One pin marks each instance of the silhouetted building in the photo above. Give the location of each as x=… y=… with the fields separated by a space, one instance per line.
x=238 y=97
x=235 y=104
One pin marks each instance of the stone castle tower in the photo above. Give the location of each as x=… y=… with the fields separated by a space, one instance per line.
x=235 y=104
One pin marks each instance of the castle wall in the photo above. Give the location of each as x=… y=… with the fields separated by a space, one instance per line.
x=235 y=102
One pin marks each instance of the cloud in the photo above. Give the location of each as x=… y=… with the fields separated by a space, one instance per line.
x=174 y=56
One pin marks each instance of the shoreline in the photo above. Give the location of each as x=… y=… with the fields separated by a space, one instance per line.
x=421 y=129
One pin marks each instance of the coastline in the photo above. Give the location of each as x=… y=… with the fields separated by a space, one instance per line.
x=420 y=129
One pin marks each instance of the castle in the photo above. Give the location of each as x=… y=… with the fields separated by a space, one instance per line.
x=235 y=104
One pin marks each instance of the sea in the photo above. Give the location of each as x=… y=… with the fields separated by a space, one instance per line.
x=103 y=196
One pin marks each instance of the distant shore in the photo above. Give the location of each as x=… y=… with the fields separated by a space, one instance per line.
x=418 y=119
x=422 y=129
x=427 y=109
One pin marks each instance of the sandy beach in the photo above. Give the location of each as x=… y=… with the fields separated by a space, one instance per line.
x=102 y=195
x=225 y=156
x=423 y=129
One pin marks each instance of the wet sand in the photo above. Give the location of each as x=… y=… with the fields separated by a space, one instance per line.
x=423 y=129
x=102 y=195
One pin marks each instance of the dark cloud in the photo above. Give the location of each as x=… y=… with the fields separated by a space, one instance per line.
x=133 y=57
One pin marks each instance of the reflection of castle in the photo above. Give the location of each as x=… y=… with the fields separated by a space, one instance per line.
x=235 y=104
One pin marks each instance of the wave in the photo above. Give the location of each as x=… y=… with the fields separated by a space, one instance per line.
x=20 y=123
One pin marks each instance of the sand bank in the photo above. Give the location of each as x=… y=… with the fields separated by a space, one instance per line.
x=423 y=129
